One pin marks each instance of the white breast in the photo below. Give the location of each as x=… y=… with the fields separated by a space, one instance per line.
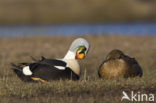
x=27 y=71
x=74 y=65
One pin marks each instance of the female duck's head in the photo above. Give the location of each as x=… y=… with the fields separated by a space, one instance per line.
x=78 y=49
x=114 y=54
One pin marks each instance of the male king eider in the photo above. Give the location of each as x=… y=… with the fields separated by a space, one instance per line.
x=54 y=69
x=117 y=64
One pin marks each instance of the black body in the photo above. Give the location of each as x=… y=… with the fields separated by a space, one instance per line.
x=45 y=70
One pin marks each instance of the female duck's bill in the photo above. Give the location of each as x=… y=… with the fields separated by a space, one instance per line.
x=117 y=64
x=54 y=69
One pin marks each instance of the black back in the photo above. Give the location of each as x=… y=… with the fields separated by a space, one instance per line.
x=45 y=70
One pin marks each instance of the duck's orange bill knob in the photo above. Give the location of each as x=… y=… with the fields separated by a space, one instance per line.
x=80 y=56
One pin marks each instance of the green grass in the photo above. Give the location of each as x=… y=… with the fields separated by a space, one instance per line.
x=89 y=89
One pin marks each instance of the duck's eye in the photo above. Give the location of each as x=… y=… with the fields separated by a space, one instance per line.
x=81 y=49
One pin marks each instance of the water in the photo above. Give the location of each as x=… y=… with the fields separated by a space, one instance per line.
x=76 y=29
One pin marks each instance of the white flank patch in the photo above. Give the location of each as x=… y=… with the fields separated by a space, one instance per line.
x=27 y=71
x=60 y=67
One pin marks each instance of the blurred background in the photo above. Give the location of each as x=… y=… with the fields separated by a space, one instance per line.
x=31 y=28
x=73 y=17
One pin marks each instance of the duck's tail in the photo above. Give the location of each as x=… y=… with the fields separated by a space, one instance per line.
x=18 y=70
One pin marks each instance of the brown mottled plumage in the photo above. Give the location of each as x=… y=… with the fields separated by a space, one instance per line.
x=117 y=64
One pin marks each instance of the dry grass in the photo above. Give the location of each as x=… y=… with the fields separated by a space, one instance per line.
x=90 y=89
x=69 y=11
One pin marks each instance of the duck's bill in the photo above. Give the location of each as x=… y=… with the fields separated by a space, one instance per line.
x=80 y=56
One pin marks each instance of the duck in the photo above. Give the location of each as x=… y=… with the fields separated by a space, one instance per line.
x=45 y=70
x=117 y=64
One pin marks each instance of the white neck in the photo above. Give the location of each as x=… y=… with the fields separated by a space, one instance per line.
x=69 y=55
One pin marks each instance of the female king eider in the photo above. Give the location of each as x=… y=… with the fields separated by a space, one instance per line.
x=54 y=69
x=117 y=64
